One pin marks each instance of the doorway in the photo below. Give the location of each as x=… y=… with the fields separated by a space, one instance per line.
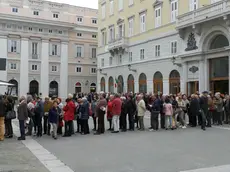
x=221 y=86
x=192 y=87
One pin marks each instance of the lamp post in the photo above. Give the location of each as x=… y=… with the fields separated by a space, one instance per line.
x=174 y=62
x=130 y=69
x=100 y=70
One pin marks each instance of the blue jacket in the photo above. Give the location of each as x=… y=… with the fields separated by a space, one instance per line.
x=84 y=110
x=53 y=115
x=156 y=106
x=39 y=109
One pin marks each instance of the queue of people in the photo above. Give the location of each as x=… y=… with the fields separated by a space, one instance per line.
x=201 y=109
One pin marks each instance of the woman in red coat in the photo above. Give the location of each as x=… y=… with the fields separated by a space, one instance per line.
x=109 y=111
x=69 y=111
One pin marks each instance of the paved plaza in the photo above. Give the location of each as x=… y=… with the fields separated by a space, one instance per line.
x=187 y=150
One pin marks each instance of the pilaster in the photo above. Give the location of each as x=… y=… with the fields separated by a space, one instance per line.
x=166 y=86
x=201 y=76
x=150 y=86
x=184 y=78
x=64 y=70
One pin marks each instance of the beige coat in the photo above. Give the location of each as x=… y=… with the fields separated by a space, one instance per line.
x=141 y=109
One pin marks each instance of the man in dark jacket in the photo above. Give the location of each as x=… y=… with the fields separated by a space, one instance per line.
x=155 y=110
x=39 y=111
x=22 y=116
x=2 y=117
x=131 y=108
x=203 y=109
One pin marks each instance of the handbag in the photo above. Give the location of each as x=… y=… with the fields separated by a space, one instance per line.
x=11 y=115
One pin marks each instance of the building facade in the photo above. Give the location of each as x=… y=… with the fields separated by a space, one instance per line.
x=169 y=46
x=47 y=48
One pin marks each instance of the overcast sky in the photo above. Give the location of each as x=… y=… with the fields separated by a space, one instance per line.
x=83 y=3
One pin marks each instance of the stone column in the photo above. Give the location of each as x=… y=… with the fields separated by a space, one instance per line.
x=136 y=85
x=44 y=85
x=206 y=75
x=166 y=86
x=184 y=78
x=24 y=67
x=3 y=55
x=64 y=70
x=201 y=76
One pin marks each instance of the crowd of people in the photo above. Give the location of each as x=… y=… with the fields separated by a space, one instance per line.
x=54 y=116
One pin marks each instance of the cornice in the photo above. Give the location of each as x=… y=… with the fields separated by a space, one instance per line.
x=157 y=3
x=85 y=29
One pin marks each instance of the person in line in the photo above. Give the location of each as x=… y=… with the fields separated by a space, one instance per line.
x=131 y=108
x=123 y=117
x=53 y=118
x=155 y=111
x=116 y=112
x=8 y=122
x=203 y=109
x=93 y=108
x=38 y=113
x=194 y=110
x=30 y=107
x=47 y=107
x=60 y=116
x=2 y=118
x=141 y=109
x=168 y=111
x=84 y=111
x=109 y=111
x=22 y=117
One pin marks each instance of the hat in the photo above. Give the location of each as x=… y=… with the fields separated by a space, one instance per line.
x=205 y=92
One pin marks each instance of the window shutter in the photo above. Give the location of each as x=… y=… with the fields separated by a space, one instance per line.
x=9 y=46
x=50 y=49
x=31 y=48
x=18 y=46
x=82 y=51
x=58 y=49
x=38 y=49
x=75 y=50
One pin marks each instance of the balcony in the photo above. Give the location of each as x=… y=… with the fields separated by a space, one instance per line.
x=118 y=45
x=203 y=14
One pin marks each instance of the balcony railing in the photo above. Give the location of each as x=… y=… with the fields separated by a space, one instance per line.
x=205 y=13
x=121 y=42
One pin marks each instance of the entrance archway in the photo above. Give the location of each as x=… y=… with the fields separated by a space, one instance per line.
x=102 y=84
x=158 y=82
x=142 y=83
x=174 y=82
x=120 y=84
x=78 y=87
x=111 y=84
x=93 y=88
x=130 y=83
x=53 y=89
x=34 y=87
x=14 y=90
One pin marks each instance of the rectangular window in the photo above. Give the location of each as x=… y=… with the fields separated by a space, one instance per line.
x=157 y=50
x=30 y=28
x=79 y=34
x=111 y=33
x=13 y=48
x=40 y=30
x=103 y=11
x=79 y=51
x=79 y=19
x=34 y=67
x=93 y=70
x=120 y=5
x=103 y=38
x=111 y=7
x=36 y=13
x=54 y=68
x=34 y=48
x=94 y=36
x=50 y=31
x=130 y=2
x=14 y=10
x=94 y=21
x=78 y=69
x=121 y=31
x=193 y=5
x=142 y=54
x=110 y=61
x=174 y=10
x=157 y=17
x=142 y=23
x=13 y=66
x=55 y=15
x=130 y=56
x=54 y=50
x=131 y=26
x=120 y=59
x=174 y=47
x=102 y=62
x=94 y=52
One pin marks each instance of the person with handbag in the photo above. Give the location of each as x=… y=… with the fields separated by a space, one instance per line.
x=22 y=117
x=8 y=121
x=2 y=118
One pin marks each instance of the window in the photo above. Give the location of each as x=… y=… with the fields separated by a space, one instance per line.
x=173 y=47
x=94 y=21
x=78 y=69
x=103 y=38
x=34 y=48
x=30 y=28
x=79 y=34
x=36 y=13
x=40 y=30
x=50 y=31
x=54 y=68
x=60 y=31
x=142 y=54
x=94 y=36
x=102 y=62
x=174 y=10
x=193 y=5
x=13 y=66
x=13 y=46
x=19 y=27
x=111 y=33
x=142 y=22
x=54 y=49
x=79 y=19
x=79 y=51
x=120 y=5
x=130 y=56
x=14 y=10
x=94 y=52
x=110 y=61
x=157 y=50
x=131 y=27
x=34 y=67
x=93 y=70
x=8 y=26
x=103 y=11
x=121 y=31
x=111 y=7
x=130 y=2
x=158 y=17
x=120 y=59
x=55 y=15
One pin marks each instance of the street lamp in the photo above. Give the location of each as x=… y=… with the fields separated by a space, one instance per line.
x=129 y=66
x=100 y=70
x=174 y=62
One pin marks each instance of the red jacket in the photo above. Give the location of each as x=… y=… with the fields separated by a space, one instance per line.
x=109 y=110
x=69 y=110
x=117 y=103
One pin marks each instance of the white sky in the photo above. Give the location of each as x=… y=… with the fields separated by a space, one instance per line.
x=82 y=3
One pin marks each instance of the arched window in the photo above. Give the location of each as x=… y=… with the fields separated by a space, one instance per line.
x=120 y=84
x=130 y=83
x=53 y=89
x=111 y=84
x=93 y=88
x=219 y=41
x=158 y=82
x=78 y=87
x=34 y=87
x=174 y=82
x=14 y=89
x=142 y=83
x=102 y=84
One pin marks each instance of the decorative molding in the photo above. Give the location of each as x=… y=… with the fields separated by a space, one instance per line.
x=131 y=17
x=193 y=69
x=142 y=11
x=157 y=3
x=191 y=44
x=120 y=21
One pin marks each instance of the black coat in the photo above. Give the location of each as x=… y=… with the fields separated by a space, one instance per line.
x=2 y=107
x=194 y=107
